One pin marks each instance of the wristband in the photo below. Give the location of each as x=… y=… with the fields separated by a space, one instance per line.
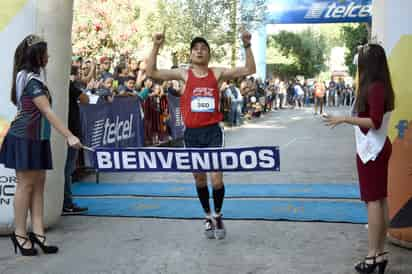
x=247 y=45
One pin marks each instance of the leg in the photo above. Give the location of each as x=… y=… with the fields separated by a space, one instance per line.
x=37 y=203
x=218 y=191
x=376 y=225
x=316 y=104
x=384 y=229
x=321 y=102
x=218 y=197
x=69 y=168
x=22 y=201
x=202 y=191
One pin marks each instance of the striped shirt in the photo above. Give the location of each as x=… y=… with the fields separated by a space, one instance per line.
x=29 y=122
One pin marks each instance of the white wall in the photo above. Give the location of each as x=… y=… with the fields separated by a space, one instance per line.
x=393 y=19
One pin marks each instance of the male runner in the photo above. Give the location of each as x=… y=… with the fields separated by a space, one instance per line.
x=201 y=112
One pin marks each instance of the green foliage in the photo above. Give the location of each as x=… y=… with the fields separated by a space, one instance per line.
x=306 y=48
x=353 y=36
x=284 y=71
x=184 y=19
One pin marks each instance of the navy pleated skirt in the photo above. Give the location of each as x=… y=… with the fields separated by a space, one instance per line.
x=25 y=154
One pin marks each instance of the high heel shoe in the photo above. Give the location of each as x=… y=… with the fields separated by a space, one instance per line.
x=382 y=264
x=40 y=240
x=23 y=251
x=366 y=268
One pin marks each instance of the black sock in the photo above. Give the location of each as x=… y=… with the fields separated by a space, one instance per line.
x=218 y=196
x=203 y=194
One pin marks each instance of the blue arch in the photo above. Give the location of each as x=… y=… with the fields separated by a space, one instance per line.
x=256 y=14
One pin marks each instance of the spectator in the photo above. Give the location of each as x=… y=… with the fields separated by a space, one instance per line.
x=236 y=101
x=120 y=74
x=75 y=90
x=105 y=66
x=133 y=67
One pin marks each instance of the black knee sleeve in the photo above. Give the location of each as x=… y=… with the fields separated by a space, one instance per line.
x=203 y=194
x=218 y=196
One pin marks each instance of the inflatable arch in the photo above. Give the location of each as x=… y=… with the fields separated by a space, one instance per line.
x=53 y=19
x=392 y=28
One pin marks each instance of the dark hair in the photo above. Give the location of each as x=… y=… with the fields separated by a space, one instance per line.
x=130 y=78
x=198 y=40
x=119 y=68
x=74 y=70
x=148 y=79
x=373 y=67
x=29 y=58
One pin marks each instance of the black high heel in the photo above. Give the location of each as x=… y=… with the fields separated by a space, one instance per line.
x=47 y=249
x=364 y=268
x=23 y=251
x=382 y=264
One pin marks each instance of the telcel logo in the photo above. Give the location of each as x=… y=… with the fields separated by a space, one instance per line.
x=351 y=11
x=337 y=11
x=117 y=131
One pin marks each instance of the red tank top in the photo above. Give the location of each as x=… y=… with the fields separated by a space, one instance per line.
x=200 y=102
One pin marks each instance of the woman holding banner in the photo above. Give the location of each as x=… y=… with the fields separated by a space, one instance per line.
x=201 y=111
x=26 y=148
x=373 y=106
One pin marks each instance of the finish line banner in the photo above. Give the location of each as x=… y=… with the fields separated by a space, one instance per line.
x=318 y=11
x=187 y=159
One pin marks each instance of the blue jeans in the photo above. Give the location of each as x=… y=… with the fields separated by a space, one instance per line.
x=234 y=116
x=69 y=168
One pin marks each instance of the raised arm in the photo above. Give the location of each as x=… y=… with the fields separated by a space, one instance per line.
x=161 y=74
x=250 y=66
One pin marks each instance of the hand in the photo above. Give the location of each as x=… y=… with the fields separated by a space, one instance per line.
x=74 y=142
x=333 y=121
x=246 y=38
x=148 y=84
x=90 y=85
x=158 y=38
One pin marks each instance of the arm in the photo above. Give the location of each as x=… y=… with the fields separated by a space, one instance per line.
x=42 y=103
x=91 y=75
x=164 y=74
x=376 y=100
x=250 y=66
x=334 y=121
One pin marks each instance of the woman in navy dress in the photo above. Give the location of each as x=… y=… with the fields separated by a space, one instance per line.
x=26 y=147
x=375 y=100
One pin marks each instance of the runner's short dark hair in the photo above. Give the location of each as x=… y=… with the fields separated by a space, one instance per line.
x=197 y=40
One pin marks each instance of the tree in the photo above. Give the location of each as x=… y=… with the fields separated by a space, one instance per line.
x=106 y=27
x=306 y=48
x=353 y=36
x=185 y=19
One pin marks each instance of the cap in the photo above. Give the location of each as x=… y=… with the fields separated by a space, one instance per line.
x=197 y=40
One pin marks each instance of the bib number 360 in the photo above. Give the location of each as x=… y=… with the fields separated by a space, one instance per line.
x=202 y=104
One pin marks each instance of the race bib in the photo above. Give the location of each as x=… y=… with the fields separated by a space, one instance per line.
x=202 y=104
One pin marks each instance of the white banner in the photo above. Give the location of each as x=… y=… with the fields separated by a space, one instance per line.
x=18 y=21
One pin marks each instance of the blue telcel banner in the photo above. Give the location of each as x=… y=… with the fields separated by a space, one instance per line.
x=187 y=159
x=116 y=124
x=175 y=122
x=317 y=11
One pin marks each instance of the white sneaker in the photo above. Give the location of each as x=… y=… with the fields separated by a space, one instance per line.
x=209 y=228
x=220 y=230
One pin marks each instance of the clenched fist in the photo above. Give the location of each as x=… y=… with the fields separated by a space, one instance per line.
x=246 y=38
x=158 y=38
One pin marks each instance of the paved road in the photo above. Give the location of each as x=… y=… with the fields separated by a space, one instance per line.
x=310 y=153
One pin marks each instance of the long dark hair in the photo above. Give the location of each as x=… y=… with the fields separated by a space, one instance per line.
x=29 y=58
x=373 y=67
